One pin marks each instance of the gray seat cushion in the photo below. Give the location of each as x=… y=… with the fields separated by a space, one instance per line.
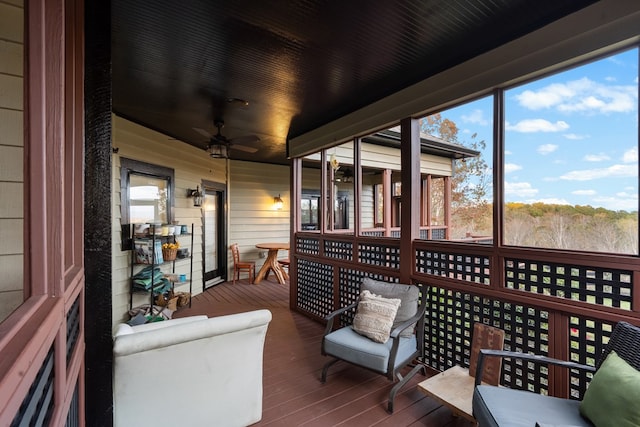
x=408 y=295
x=347 y=344
x=518 y=408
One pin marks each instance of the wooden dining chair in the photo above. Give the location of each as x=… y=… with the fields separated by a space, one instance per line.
x=238 y=266
x=285 y=262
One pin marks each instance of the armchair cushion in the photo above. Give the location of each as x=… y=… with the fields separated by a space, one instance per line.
x=613 y=394
x=375 y=315
x=408 y=295
x=348 y=345
x=518 y=408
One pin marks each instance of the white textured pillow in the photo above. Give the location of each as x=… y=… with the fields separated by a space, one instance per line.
x=374 y=316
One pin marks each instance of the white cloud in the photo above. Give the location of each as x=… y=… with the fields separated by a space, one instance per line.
x=583 y=95
x=507 y=152
x=584 y=192
x=521 y=189
x=545 y=149
x=618 y=203
x=575 y=137
x=614 y=171
x=537 y=125
x=630 y=156
x=596 y=157
x=624 y=194
x=476 y=117
x=549 y=201
x=610 y=79
x=511 y=167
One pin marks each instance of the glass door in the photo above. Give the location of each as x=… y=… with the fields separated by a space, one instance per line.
x=214 y=250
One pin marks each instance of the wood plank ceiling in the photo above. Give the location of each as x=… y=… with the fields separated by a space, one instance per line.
x=178 y=66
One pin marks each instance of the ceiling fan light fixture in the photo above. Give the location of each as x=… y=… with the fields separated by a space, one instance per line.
x=218 y=150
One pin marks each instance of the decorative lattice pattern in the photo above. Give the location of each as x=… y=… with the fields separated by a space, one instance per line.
x=470 y=268
x=376 y=233
x=381 y=255
x=438 y=234
x=349 y=288
x=587 y=339
x=73 y=328
x=338 y=249
x=315 y=287
x=73 y=416
x=306 y=245
x=603 y=286
x=449 y=325
x=37 y=407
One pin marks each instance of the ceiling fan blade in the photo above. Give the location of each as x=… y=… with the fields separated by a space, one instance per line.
x=243 y=148
x=203 y=132
x=245 y=139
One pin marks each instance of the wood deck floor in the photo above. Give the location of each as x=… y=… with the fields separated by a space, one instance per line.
x=293 y=394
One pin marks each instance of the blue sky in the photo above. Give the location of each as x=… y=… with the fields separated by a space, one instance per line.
x=571 y=138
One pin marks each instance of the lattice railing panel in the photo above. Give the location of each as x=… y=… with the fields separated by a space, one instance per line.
x=338 y=249
x=449 y=324
x=438 y=234
x=373 y=233
x=37 y=406
x=378 y=254
x=608 y=287
x=73 y=327
x=307 y=245
x=315 y=287
x=587 y=339
x=470 y=268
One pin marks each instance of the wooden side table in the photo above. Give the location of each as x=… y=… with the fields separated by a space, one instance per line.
x=271 y=263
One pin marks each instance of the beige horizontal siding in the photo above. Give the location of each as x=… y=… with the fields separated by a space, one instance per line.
x=253 y=219
x=11 y=156
x=191 y=165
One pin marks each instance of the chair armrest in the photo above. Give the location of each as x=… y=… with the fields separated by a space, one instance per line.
x=331 y=316
x=410 y=321
x=528 y=357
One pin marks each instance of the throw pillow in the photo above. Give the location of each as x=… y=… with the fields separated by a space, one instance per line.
x=408 y=295
x=374 y=316
x=613 y=395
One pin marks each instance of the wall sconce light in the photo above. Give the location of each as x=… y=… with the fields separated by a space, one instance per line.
x=197 y=196
x=347 y=175
x=277 y=202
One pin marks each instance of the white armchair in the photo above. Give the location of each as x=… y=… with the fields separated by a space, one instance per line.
x=192 y=371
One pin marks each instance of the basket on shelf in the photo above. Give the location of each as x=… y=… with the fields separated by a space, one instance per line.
x=169 y=254
x=183 y=298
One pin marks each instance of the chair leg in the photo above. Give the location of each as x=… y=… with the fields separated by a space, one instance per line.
x=402 y=382
x=325 y=369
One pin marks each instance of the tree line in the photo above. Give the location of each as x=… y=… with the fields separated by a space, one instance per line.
x=556 y=226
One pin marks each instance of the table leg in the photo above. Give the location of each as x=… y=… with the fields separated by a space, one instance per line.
x=271 y=263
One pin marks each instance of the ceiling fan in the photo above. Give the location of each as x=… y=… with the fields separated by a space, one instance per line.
x=219 y=145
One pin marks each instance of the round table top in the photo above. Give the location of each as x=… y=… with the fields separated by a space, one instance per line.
x=272 y=246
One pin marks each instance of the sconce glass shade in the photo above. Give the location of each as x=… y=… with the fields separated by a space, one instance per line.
x=219 y=150
x=197 y=196
x=277 y=202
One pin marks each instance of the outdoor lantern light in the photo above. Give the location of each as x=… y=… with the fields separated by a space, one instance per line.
x=277 y=202
x=197 y=196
